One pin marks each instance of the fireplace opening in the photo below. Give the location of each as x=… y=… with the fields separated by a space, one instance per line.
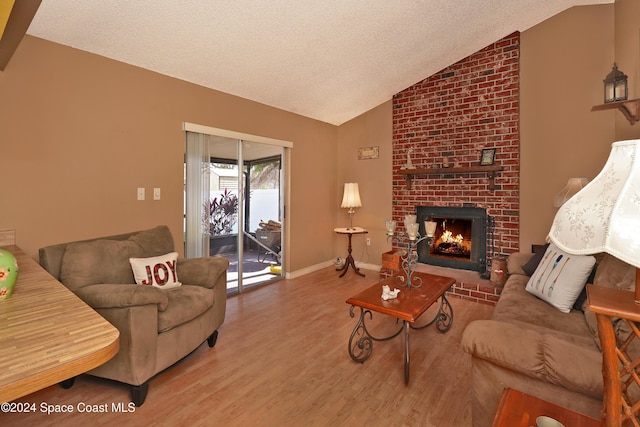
x=460 y=239
x=452 y=238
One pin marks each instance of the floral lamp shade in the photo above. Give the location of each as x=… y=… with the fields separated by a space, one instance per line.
x=8 y=273
x=605 y=215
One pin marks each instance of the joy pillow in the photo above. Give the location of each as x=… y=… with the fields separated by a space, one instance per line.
x=159 y=271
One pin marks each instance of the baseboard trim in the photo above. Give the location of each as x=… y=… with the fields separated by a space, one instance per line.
x=330 y=263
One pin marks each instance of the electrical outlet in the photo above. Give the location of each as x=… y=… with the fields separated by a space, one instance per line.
x=368 y=241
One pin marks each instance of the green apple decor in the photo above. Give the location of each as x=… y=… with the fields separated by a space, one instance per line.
x=8 y=274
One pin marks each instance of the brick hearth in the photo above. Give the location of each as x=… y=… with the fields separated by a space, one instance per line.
x=469 y=285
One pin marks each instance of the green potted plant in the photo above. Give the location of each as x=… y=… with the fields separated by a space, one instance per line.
x=223 y=216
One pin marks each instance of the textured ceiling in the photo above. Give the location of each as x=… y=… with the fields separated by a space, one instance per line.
x=330 y=60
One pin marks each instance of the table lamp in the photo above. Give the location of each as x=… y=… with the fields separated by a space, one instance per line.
x=351 y=199
x=605 y=217
x=573 y=186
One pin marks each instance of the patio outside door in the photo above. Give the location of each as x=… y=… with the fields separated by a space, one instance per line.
x=234 y=205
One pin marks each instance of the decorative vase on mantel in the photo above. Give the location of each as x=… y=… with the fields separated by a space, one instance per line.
x=8 y=273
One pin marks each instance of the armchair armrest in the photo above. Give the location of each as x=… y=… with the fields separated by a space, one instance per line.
x=119 y=296
x=202 y=271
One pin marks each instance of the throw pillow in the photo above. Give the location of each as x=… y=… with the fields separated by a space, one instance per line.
x=583 y=294
x=560 y=277
x=532 y=264
x=159 y=271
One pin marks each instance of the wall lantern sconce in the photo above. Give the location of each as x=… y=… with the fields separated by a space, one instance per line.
x=615 y=86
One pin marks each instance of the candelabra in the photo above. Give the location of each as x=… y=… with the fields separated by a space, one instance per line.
x=409 y=239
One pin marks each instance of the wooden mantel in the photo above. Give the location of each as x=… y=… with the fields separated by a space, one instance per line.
x=489 y=170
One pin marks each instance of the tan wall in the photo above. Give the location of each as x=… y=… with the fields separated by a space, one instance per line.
x=563 y=63
x=79 y=133
x=627 y=56
x=372 y=129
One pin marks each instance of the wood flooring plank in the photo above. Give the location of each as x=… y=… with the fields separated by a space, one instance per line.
x=282 y=360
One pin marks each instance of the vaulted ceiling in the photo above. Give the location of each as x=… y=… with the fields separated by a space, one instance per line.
x=330 y=60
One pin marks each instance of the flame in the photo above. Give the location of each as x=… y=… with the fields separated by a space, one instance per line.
x=447 y=237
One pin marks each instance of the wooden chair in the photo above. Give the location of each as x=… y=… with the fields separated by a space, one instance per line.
x=620 y=355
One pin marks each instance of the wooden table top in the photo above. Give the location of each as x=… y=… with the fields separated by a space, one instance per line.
x=347 y=230
x=613 y=302
x=518 y=409
x=410 y=303
x=47 y=334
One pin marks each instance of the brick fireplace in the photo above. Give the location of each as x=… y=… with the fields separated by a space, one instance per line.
x=441 y=125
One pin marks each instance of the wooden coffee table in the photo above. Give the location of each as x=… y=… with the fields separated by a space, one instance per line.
x=518 y=409
x=410 y=304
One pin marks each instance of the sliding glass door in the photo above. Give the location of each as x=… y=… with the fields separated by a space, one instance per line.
x=234 y=206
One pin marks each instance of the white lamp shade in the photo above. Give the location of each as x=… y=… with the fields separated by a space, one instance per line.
x=605 y=215
x=351 y=196
x=573 y=186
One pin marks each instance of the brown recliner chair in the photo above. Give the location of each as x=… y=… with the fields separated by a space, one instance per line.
x=158 y=327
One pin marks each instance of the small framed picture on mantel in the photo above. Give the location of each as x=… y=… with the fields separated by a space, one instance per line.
x=487 y=157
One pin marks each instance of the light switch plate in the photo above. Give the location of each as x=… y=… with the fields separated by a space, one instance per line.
x=156 y=193
x=140 y=193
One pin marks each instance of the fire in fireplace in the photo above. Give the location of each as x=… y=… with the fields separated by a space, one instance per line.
x=460 y=239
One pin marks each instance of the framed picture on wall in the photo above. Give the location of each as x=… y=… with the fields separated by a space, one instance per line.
x=367 y=153
x=488 y=156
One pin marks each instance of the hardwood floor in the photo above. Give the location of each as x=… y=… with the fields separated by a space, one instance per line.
x=281 y=360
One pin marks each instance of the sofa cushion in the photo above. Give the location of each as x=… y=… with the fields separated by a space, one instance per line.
x=614 y=273
x=107 y=261
x=530 y=267
x=516 y=261
x=611 y=273
x=106 y=295
x=159 y=271
x=98 y=261
x=560 y=277
x=518 y=306
x=185 y=303
x=557 y=359
x=155 y=241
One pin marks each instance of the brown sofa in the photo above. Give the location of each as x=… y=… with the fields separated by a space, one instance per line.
x=157 y=326
x=531 y=346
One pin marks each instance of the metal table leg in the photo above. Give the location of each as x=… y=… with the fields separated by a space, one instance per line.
x=361 y=340
x=406 y=325
x=349 y=262
x=443 y=318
